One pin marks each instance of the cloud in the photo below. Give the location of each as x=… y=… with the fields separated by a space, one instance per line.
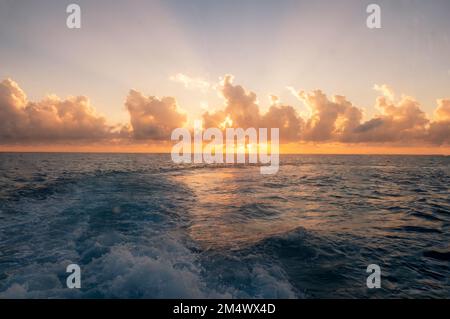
x=439 y=131
x=190 y=82
x=72 y=120
x=442 y=113
x=241 y=105
x=153 y=118
x=285 y=118
x=401 y=122
x=335 y=118
x=56 y=120
x=50 y=120
x=242 y=108
x=331 y=119
x=385 y=90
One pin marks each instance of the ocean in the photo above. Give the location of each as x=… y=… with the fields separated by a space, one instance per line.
x=140 y=226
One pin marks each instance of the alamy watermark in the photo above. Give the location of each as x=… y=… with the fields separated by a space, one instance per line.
x=234 y=147
x=374 y=279
x=74 y=279
x=374 y=19
x=74 y=18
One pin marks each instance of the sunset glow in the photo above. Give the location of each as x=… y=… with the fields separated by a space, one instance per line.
x=225 y=158
x=324 y=95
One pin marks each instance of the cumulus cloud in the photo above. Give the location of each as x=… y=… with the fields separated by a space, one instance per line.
x=331 y=119
x=242 y=108
x=442 y=113
x=396 y=123
x=50 y=120
x=153 y=118
x=439 y=131
x=285 y=118
x=241 y=105
x=335 y=118
x=56 y=120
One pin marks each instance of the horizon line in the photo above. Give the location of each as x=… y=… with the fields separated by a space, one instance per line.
x=168 y=153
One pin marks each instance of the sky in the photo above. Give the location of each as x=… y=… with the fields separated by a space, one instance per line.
x=128 y=51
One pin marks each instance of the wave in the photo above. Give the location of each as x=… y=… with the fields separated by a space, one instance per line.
x=142 y=227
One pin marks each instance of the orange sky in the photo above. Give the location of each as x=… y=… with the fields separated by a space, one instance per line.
x=284 y=149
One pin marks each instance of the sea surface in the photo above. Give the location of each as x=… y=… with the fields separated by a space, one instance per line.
x=140 y=226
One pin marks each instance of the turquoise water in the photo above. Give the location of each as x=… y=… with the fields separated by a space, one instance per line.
x=140 y=226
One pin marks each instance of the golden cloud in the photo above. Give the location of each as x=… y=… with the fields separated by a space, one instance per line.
x=333 y=119
x=242 y=109
x=49 y=120
x=153 y=118
x=404 y=122
x=439 y=130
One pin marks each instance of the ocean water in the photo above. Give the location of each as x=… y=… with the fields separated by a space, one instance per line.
x=140 y=226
